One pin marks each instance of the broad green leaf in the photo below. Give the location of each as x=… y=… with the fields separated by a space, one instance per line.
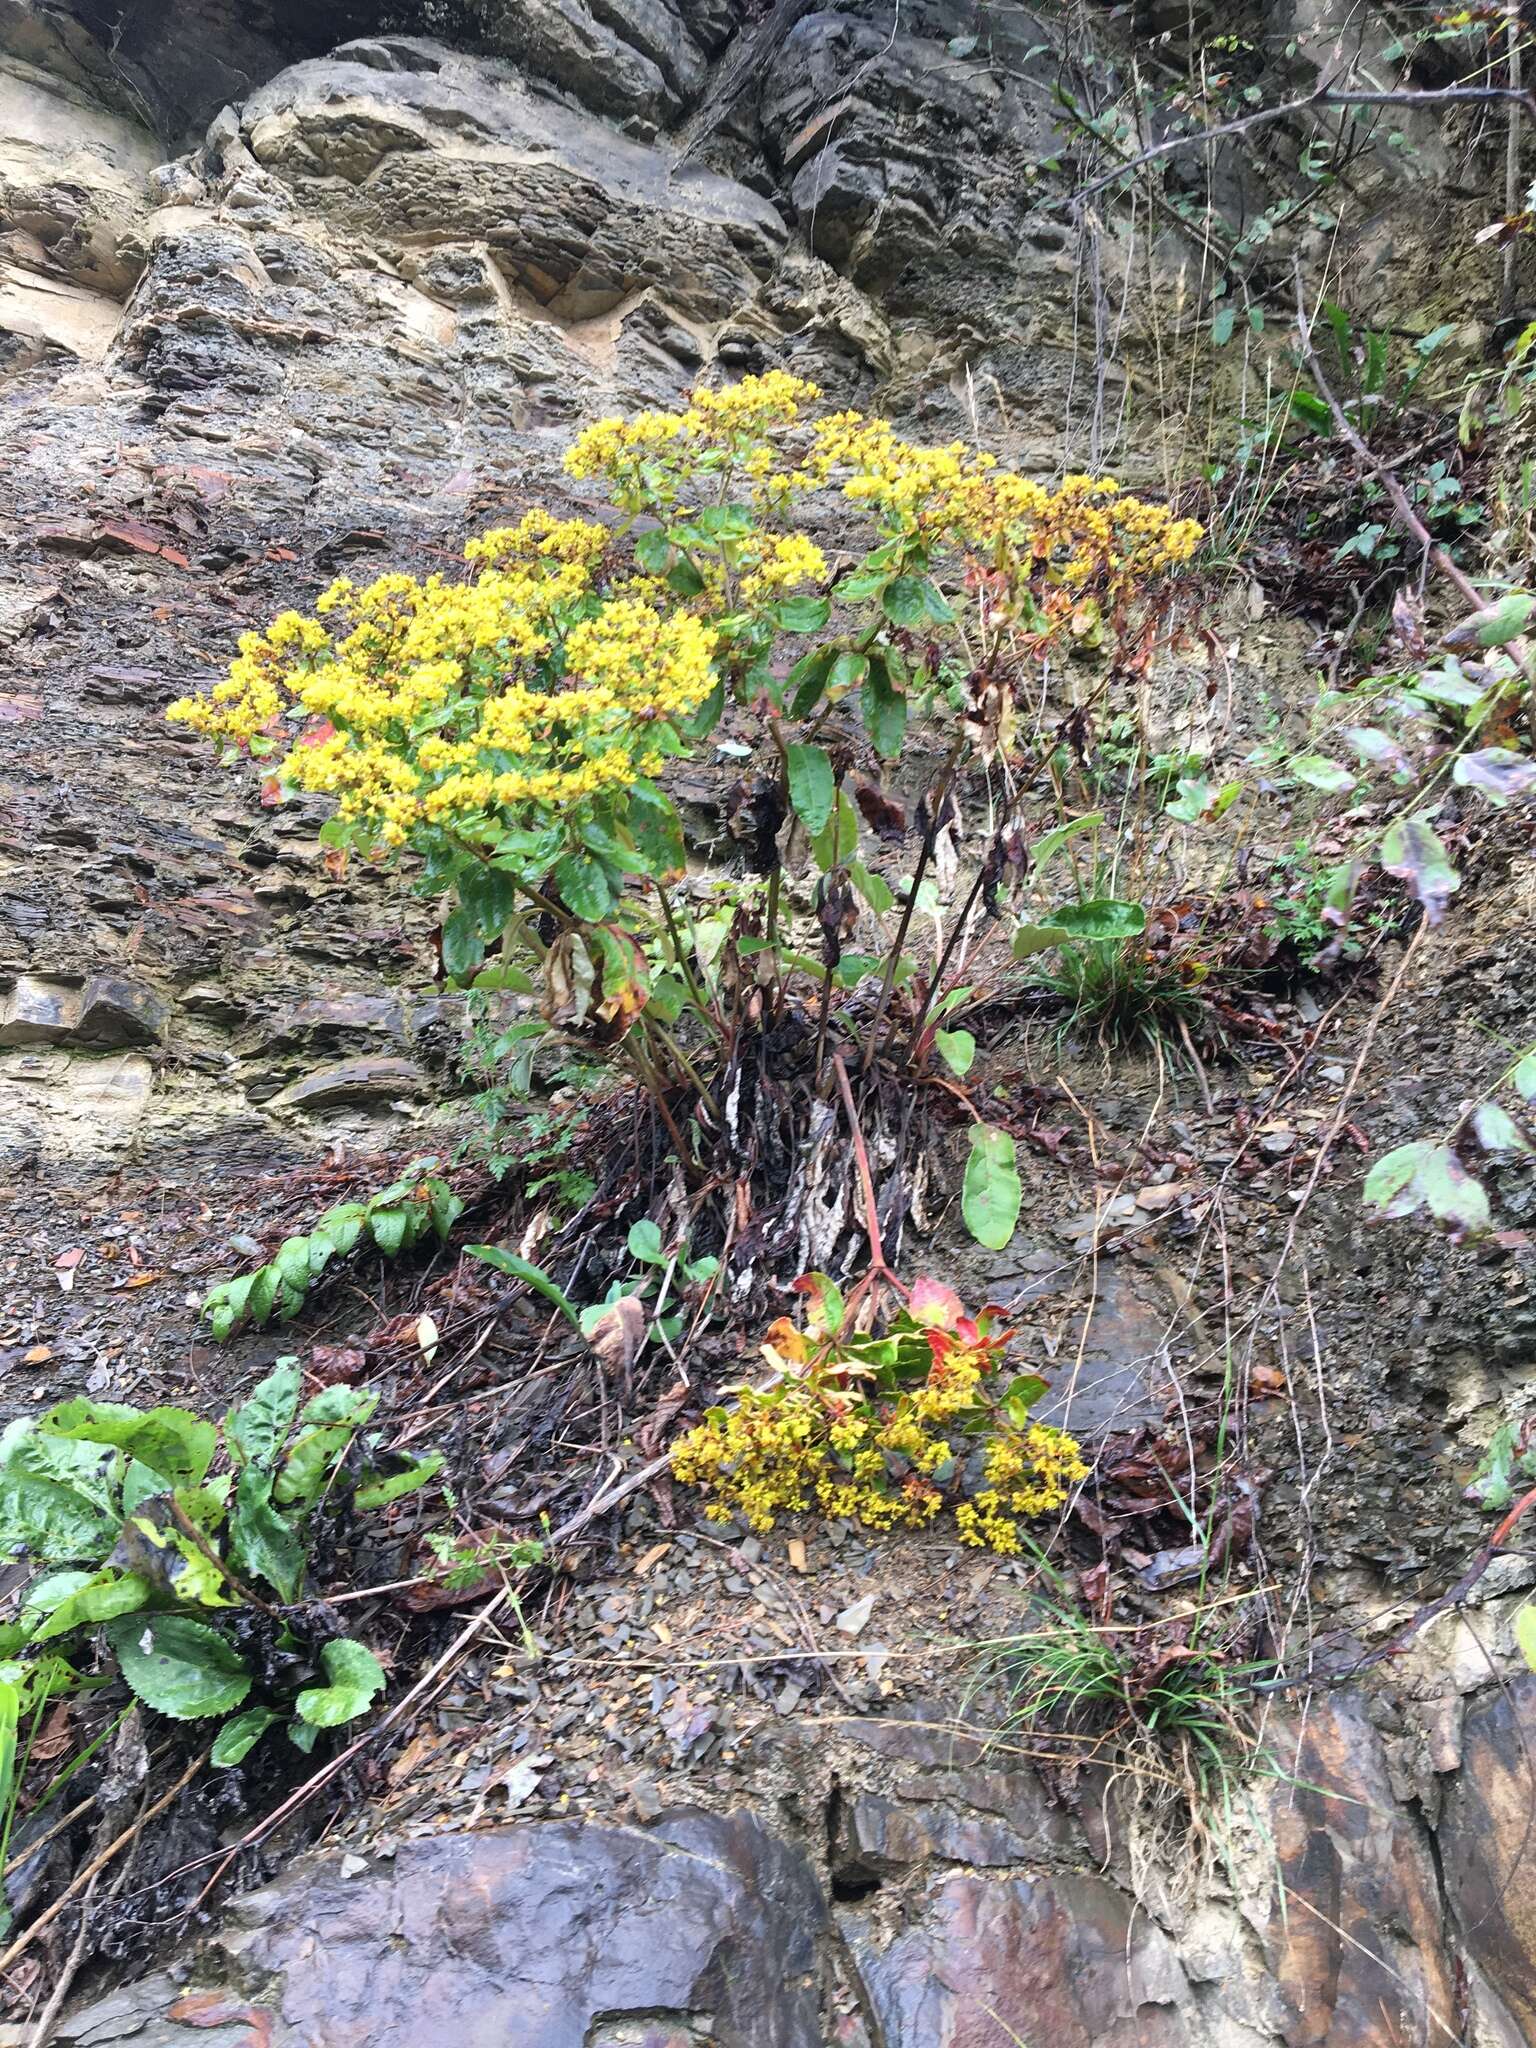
x=181 y=1668
x=812 y=786
x=838 y=839
x=1391 y=1184
x=260 y=1542
x=390 y=1230
x=992 y=1194
x=1377 y=747
x=653 y=551
x=1495 y=625
x=517 y=1268
x=54 y=1523
x=584 y=887
x=1224 y=320
x=905 y=601
x=872 y=887
x=1524 y=1077
x=1413 y=852
x=357 y=1678
x=171 y=1441
x=807 y=681
x=957 y=1049
x=645 y=1243
x=802 y=614
x=462 y=946
x=237 y=1738
x=100 y=1598
x=1497 y=1131
x=378 y=1492
x=1101 y=918
x=656 y=829
x=349 y=1406
x=885 y=709
x=256 y=1429
x=343 y=1225
x=1031 y=939
x=313 y=1456
x=848 y=670
x=1321 y=773
x=89 y=1469
x=1193 y=800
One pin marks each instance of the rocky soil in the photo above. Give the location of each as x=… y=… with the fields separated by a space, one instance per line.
x=284 y=291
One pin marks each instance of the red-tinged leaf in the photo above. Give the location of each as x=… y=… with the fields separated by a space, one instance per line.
x=271 y=793
x=931 y=1302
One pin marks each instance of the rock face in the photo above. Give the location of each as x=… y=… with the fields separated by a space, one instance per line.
x=941 y=1897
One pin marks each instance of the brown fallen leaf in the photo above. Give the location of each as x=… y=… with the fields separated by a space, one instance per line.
x=618 y=1334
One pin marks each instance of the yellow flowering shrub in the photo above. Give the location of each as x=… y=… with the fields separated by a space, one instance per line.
x=885 y=1430
x=507 y=725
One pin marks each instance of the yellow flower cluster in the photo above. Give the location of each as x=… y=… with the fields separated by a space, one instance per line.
x=781 y=564
x=817 y=1439
x=434 y=703
x=1030 y=1472
x=653 y=457
x=1084 y=537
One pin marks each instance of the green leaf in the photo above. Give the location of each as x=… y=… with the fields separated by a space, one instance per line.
x=584 y=887
x=1051 y=843
x=838 y=840
x=171 y=1441
x=1389 y=1186
x=357 y=1678
x=848 y=670
x=653 y=551
x=237 y=1738
x=1312 y=410
x=255 y=1430
x=684 y=578
x=463 y=948
x=827 y=1307
x=1524 y=1078
x=1031 y=939
x=645 y=1242
x=812 y=787
x=808 y=680
x=1413 y=852
x=872 y=887
x=1223 y=323
x=181 y=1668
x=1497 y=1131
x=260 y=1541
x=1426 y=1175
x=53 y=1522
x=102 y=1597
x=1101 y=918
x=343 y=1225
x=414 y=1473
x=885 y=710
x=1496 y=624
x=390 y=1230
x=656 y=829
x=523 y=1269
x=1499 y=772
x=306 y=1471
x=992 y=1194
x=957 y=1049
x=1321 y=773
x=904 y=601
x=802 y=614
